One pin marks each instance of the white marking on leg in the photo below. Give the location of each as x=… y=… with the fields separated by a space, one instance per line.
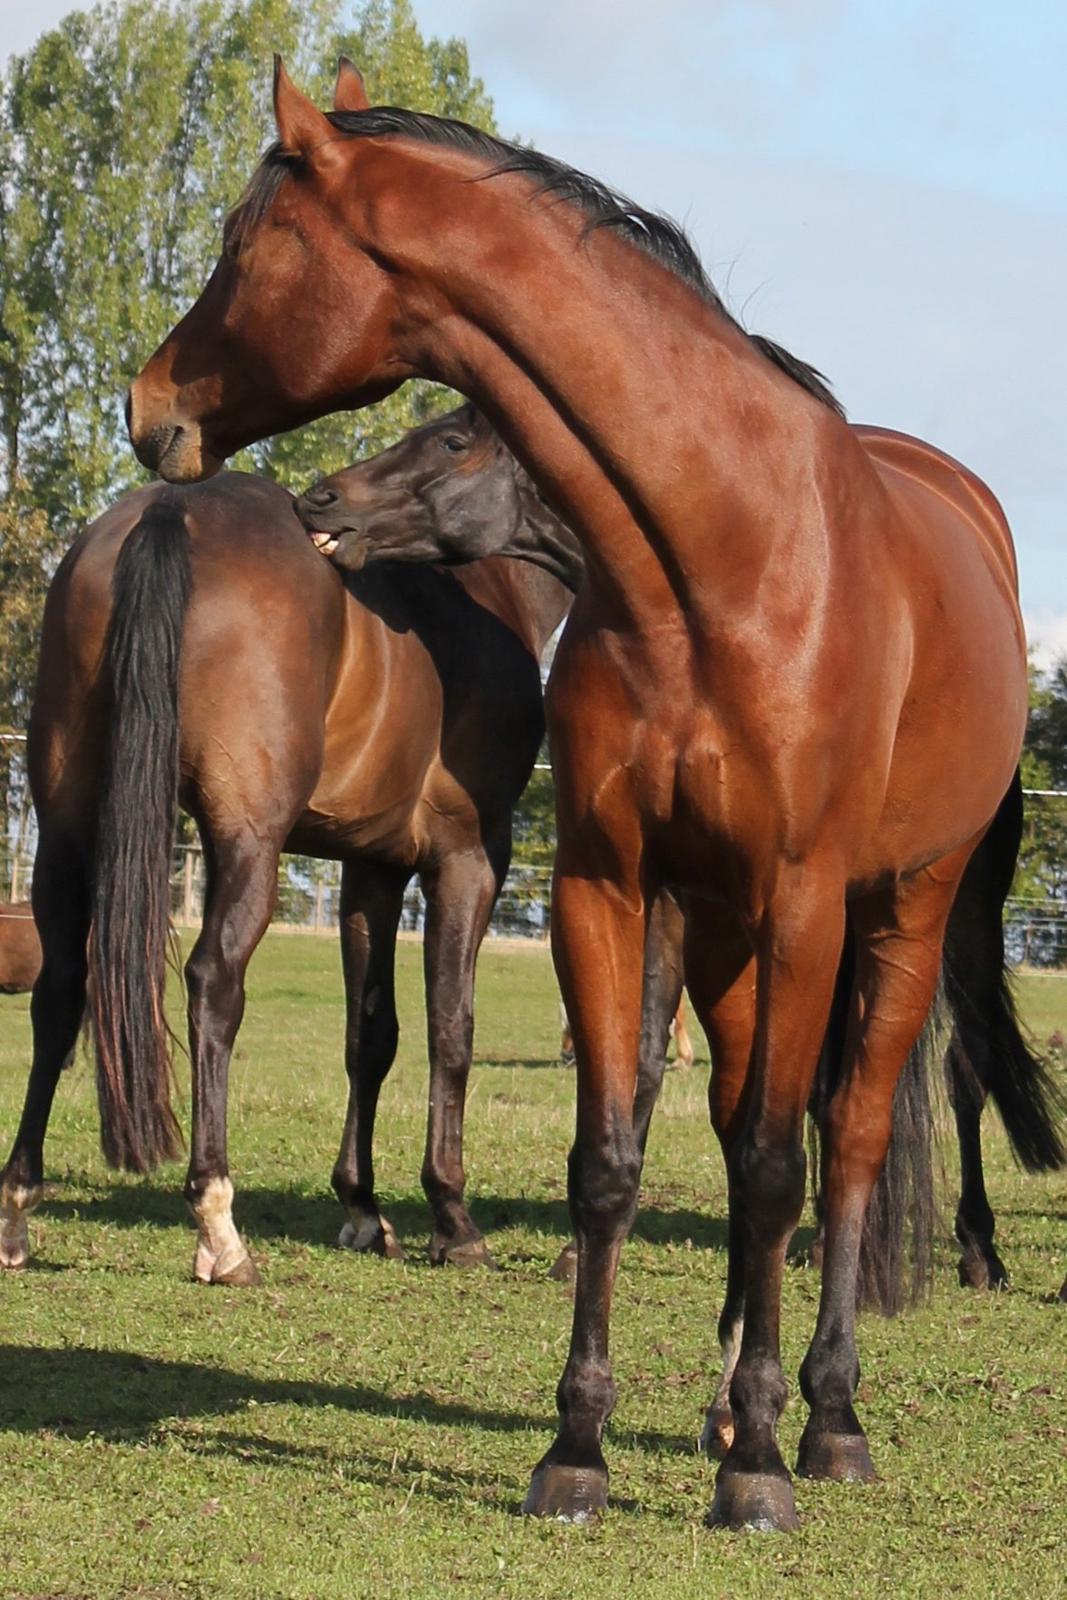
x=220 y=1248
x=16 y=1203
x=718 y=1434
x=364 y=1231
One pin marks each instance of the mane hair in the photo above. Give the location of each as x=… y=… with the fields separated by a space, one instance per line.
x=656 y=235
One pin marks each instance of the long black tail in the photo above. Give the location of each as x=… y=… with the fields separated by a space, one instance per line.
x=129 y=940
x=975 y=1009
x=992 y=1055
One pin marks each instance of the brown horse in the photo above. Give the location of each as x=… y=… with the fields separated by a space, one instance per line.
x=792 y=690
x=196 y=647
x=20 y=948
x=450 y=491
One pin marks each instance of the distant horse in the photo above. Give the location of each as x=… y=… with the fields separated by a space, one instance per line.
x=792 y=690
x=195 y=647
x=20 y=948
x=452 y=492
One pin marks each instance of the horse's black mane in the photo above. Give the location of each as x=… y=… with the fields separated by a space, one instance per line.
x=657 y=235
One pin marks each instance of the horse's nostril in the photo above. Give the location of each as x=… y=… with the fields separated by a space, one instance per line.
x=320 y=497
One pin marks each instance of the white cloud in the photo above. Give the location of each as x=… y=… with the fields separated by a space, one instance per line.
x=1046 y=630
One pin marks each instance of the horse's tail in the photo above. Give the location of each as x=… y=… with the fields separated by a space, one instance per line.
x=899 y=1231
x=900 y=1228
x=130 y=934
x=992 y=1055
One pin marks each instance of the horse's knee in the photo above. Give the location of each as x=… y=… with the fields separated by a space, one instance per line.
x=603 y=1175
x=770 y=1182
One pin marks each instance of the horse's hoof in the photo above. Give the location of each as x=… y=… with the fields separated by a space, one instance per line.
x=470 y=1253
x=762 y=1501
x=374 y=1236
x=245 y=1275
x=565 y=1267
x=717 y=1434
x=979 y=1271
x=14 y=1245
x=842 y=1457
x=569 y=1494
x=16 y=1203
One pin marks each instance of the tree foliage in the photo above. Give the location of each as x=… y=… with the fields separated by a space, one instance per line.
x=125 y=135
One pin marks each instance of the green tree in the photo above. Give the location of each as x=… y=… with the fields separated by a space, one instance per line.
x=126 y=133
x=1040 y=887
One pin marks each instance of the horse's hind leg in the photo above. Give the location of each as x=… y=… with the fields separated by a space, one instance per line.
x=371 y=901
x=898 y=938
x=980 y=1267
x=460 y=895
x=242 y=887
x=61 y=908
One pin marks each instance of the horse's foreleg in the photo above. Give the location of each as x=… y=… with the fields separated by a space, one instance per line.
x=898 y=958
x=460 y=896
x=798 y=946
x=662 y=986
x=371 y=900
x=242 y=887
x=721 y=973
x=61 y=908
x=598 y=934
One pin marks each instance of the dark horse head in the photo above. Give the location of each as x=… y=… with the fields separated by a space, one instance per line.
x=450 y=492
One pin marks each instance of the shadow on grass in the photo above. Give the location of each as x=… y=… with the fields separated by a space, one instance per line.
x=279 y=1213
x=126 y=1398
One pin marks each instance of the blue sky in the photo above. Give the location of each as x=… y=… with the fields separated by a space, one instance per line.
x=883 y=187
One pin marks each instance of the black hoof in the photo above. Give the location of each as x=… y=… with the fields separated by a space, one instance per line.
x=470 y=1253
x=842 y=1457
x=980 y=1271
x=565 y=1268
x=762 y=1501
x=717 y=1434
x=569 y=1494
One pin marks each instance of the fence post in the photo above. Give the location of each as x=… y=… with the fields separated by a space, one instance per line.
x=187 y=888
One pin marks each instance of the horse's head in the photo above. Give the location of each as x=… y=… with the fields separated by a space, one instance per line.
x=249 y=358
x=449 y=492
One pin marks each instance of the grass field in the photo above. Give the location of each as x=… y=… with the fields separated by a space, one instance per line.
x=359 y=1427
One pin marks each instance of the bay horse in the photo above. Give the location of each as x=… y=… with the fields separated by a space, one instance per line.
x=792 y=690
x=20 y=948
x=196 y=648
x=452 y=492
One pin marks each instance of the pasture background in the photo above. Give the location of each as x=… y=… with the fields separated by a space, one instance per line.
x=359 y=1427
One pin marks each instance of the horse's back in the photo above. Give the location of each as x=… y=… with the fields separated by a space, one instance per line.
x=260 y=639
x=917 y=472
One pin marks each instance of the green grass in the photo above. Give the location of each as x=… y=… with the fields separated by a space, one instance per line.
x=359 y=1427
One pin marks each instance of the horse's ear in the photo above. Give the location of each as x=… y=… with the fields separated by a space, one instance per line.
x=350 y=92
x=302 y=127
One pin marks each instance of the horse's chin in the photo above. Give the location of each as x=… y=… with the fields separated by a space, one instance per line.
x=185 y=459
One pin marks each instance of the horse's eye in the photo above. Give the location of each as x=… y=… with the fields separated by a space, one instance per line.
x=453 y=444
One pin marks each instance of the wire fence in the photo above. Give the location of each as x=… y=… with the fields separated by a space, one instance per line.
x=309 y=894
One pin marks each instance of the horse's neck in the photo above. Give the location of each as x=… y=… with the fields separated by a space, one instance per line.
x=652 y=424
x=543 y=540
x=531 y=600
